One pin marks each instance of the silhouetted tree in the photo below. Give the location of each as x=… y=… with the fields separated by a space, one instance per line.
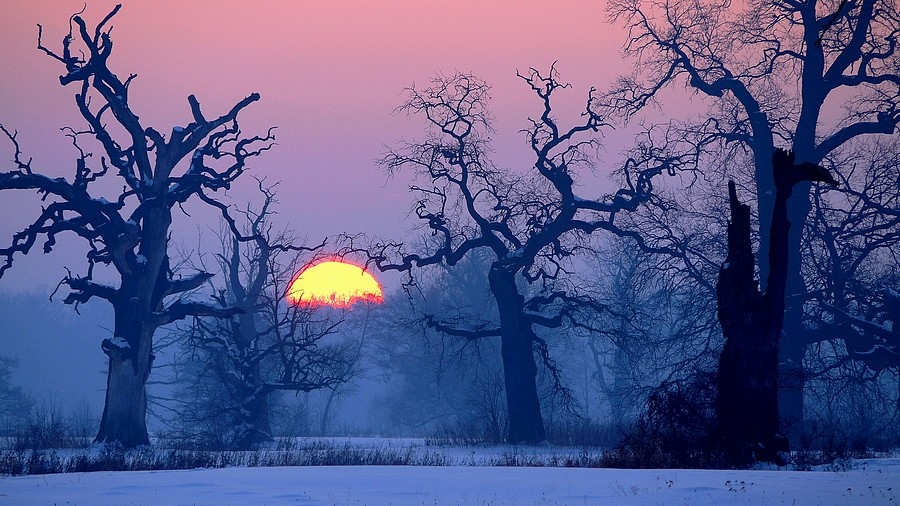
x=852 y=273
x=529 y=221
x=271 y=345
x=659 y=326
x=14 y=403
x=129 y=231
x=747 y=406
x=852 y=268
x=439 y=384
x=769 y=72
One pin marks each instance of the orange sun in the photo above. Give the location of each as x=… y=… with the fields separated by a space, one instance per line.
x=334 y=283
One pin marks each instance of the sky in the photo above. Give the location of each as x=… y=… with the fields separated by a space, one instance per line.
x=330 y=75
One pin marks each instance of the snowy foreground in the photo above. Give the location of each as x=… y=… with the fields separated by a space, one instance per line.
x=872 y=482
x=463 y=475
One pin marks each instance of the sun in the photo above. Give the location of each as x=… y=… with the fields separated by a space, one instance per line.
x=334 y=283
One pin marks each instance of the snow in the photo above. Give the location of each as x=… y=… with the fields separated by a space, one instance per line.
x=118 y=342
x=873 y=482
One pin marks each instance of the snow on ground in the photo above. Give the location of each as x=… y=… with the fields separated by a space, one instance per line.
x=871 y=482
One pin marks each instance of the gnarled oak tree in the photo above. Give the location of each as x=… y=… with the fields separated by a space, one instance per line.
x=528 y=221
x=130 y=231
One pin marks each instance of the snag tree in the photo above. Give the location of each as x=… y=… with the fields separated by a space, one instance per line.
x=747 y=406
x=771 y=72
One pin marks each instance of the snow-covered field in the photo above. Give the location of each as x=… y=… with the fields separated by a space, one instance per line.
x=871 y=482
x=456 y=485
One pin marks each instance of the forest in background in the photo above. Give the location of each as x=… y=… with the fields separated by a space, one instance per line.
x=527 y=312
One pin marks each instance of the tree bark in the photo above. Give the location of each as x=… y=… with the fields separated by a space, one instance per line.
x=130 y=360
x=747 y=408
x=752 y=322
x=526 y=424
x=254 y=428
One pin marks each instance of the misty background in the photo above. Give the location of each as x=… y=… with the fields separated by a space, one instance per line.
x=332 y=77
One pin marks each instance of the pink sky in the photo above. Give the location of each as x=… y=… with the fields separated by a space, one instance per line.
x=329 y=73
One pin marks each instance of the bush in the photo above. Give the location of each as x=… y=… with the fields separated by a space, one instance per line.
x=584 y=433
x=45 y=428
x=677 y=430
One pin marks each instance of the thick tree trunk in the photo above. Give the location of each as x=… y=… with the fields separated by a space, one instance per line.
x=792 y=347
x=793 y=340
x=130 y=351
x=125 y=410
x=747 y=408
x=124 y=417
x=254 y=428
x=526 y=424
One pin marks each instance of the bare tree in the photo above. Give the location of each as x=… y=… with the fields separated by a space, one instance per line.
x=130 y=230
x=440 y=384
x=14 y=403
x=853 y=277
x=852 y=268
x=271 y=345
x=530 y=222
x=770 y=72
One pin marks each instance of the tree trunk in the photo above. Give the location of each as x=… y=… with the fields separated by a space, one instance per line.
x=130 y=351
x=254 y=428
x=326 y=413
x=125 y=410
x=793 y=340
x=792 y=347
x=124 y=417
x=747 y=408
x=526 y=424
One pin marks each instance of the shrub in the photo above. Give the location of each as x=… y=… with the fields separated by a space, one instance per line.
x=45 y=428
x=677 y=429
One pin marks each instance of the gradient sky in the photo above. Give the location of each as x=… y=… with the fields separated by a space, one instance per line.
x=330 y=74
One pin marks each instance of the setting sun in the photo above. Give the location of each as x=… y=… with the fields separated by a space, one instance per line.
x=334 y=283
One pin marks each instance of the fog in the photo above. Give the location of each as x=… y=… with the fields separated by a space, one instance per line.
x=550 y=218
x=57 y=349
